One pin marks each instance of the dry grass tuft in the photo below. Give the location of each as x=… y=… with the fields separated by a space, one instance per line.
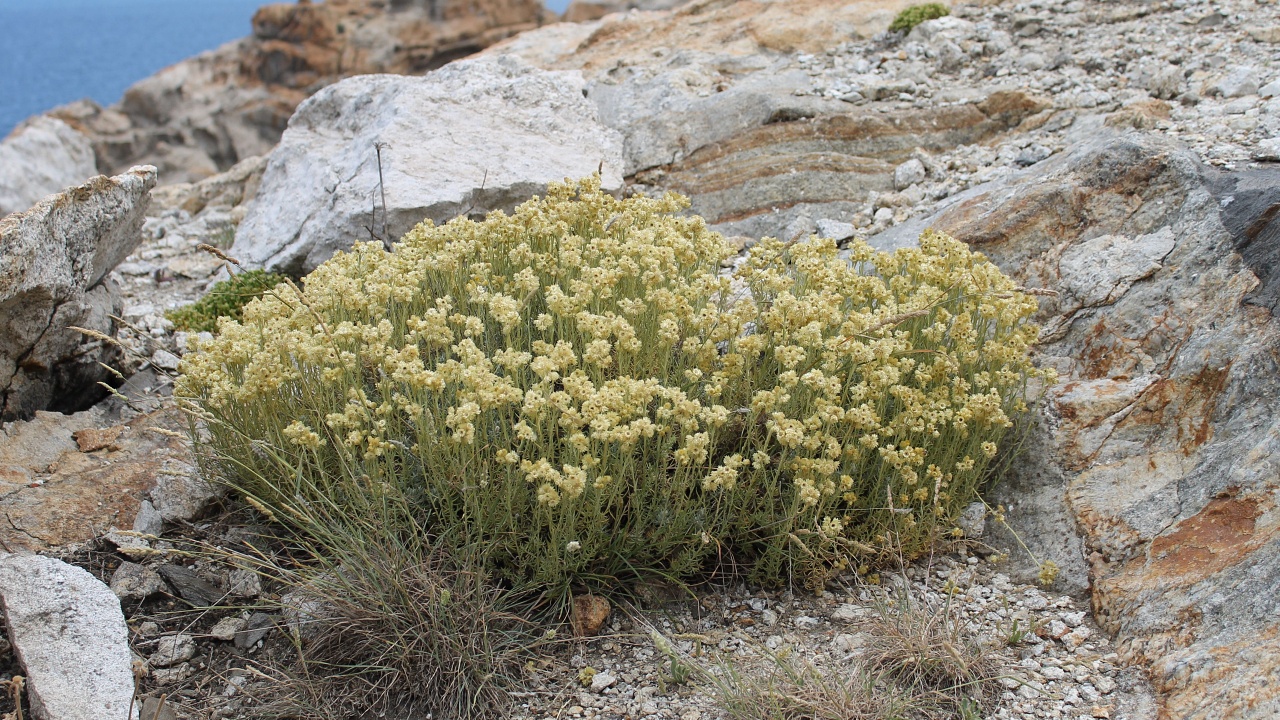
x=920 y=645
x=917 y=664
x=794 y=690
x=387 y=625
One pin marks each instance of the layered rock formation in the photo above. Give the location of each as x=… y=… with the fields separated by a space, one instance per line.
x=40 y=157
x=54 y=260
x=757 y=181
x=206 y=113
x=1161 y=435
x=711 y=104
x=370 y=157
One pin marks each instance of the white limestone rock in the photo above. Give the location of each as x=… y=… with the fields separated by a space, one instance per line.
x=908 y=173
x=69 y=634
x=474 y=136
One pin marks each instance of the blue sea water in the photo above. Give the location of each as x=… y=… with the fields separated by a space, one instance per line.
x=57 y=51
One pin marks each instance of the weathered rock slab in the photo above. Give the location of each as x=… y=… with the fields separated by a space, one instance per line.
x=53 y=493
x=69 y=634
x=42 y=157
x=759 y=179
x=54 y=260
x=474 y=136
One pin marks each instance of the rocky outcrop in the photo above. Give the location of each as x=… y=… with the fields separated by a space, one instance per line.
x=206 y=113
x=41 y=157
x=56 y=612
x=471 y=137
x=54 y=260
x=1162 y=433
x=710 y=105
x=759 y=180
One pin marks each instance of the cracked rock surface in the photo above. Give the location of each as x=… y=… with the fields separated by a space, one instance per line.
x=1157 y=439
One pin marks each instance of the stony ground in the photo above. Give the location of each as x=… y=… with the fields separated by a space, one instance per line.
x=1064 y=668
x=1045 y=653
x=1205 y=72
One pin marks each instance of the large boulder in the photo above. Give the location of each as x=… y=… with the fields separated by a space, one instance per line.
x=54 y=260
x=1152 y=473
x=206 y=113
x=69 y=634
x=473 y=136
x=41 y=157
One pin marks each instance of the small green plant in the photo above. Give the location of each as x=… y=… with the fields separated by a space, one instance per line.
x=679 y=671
x=1019 y=632
x=916 y=14
x=225 y=299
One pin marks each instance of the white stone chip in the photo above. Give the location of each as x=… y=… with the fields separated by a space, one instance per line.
x=70 y=636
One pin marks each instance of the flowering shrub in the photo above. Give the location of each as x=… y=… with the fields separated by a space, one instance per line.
x=580 y=391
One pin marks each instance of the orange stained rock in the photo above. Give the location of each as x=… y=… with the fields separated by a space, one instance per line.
x=588 y=615
x=1220 y=535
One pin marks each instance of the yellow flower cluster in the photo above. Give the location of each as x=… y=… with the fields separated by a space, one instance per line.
x=582 y=372
x=889 y=382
